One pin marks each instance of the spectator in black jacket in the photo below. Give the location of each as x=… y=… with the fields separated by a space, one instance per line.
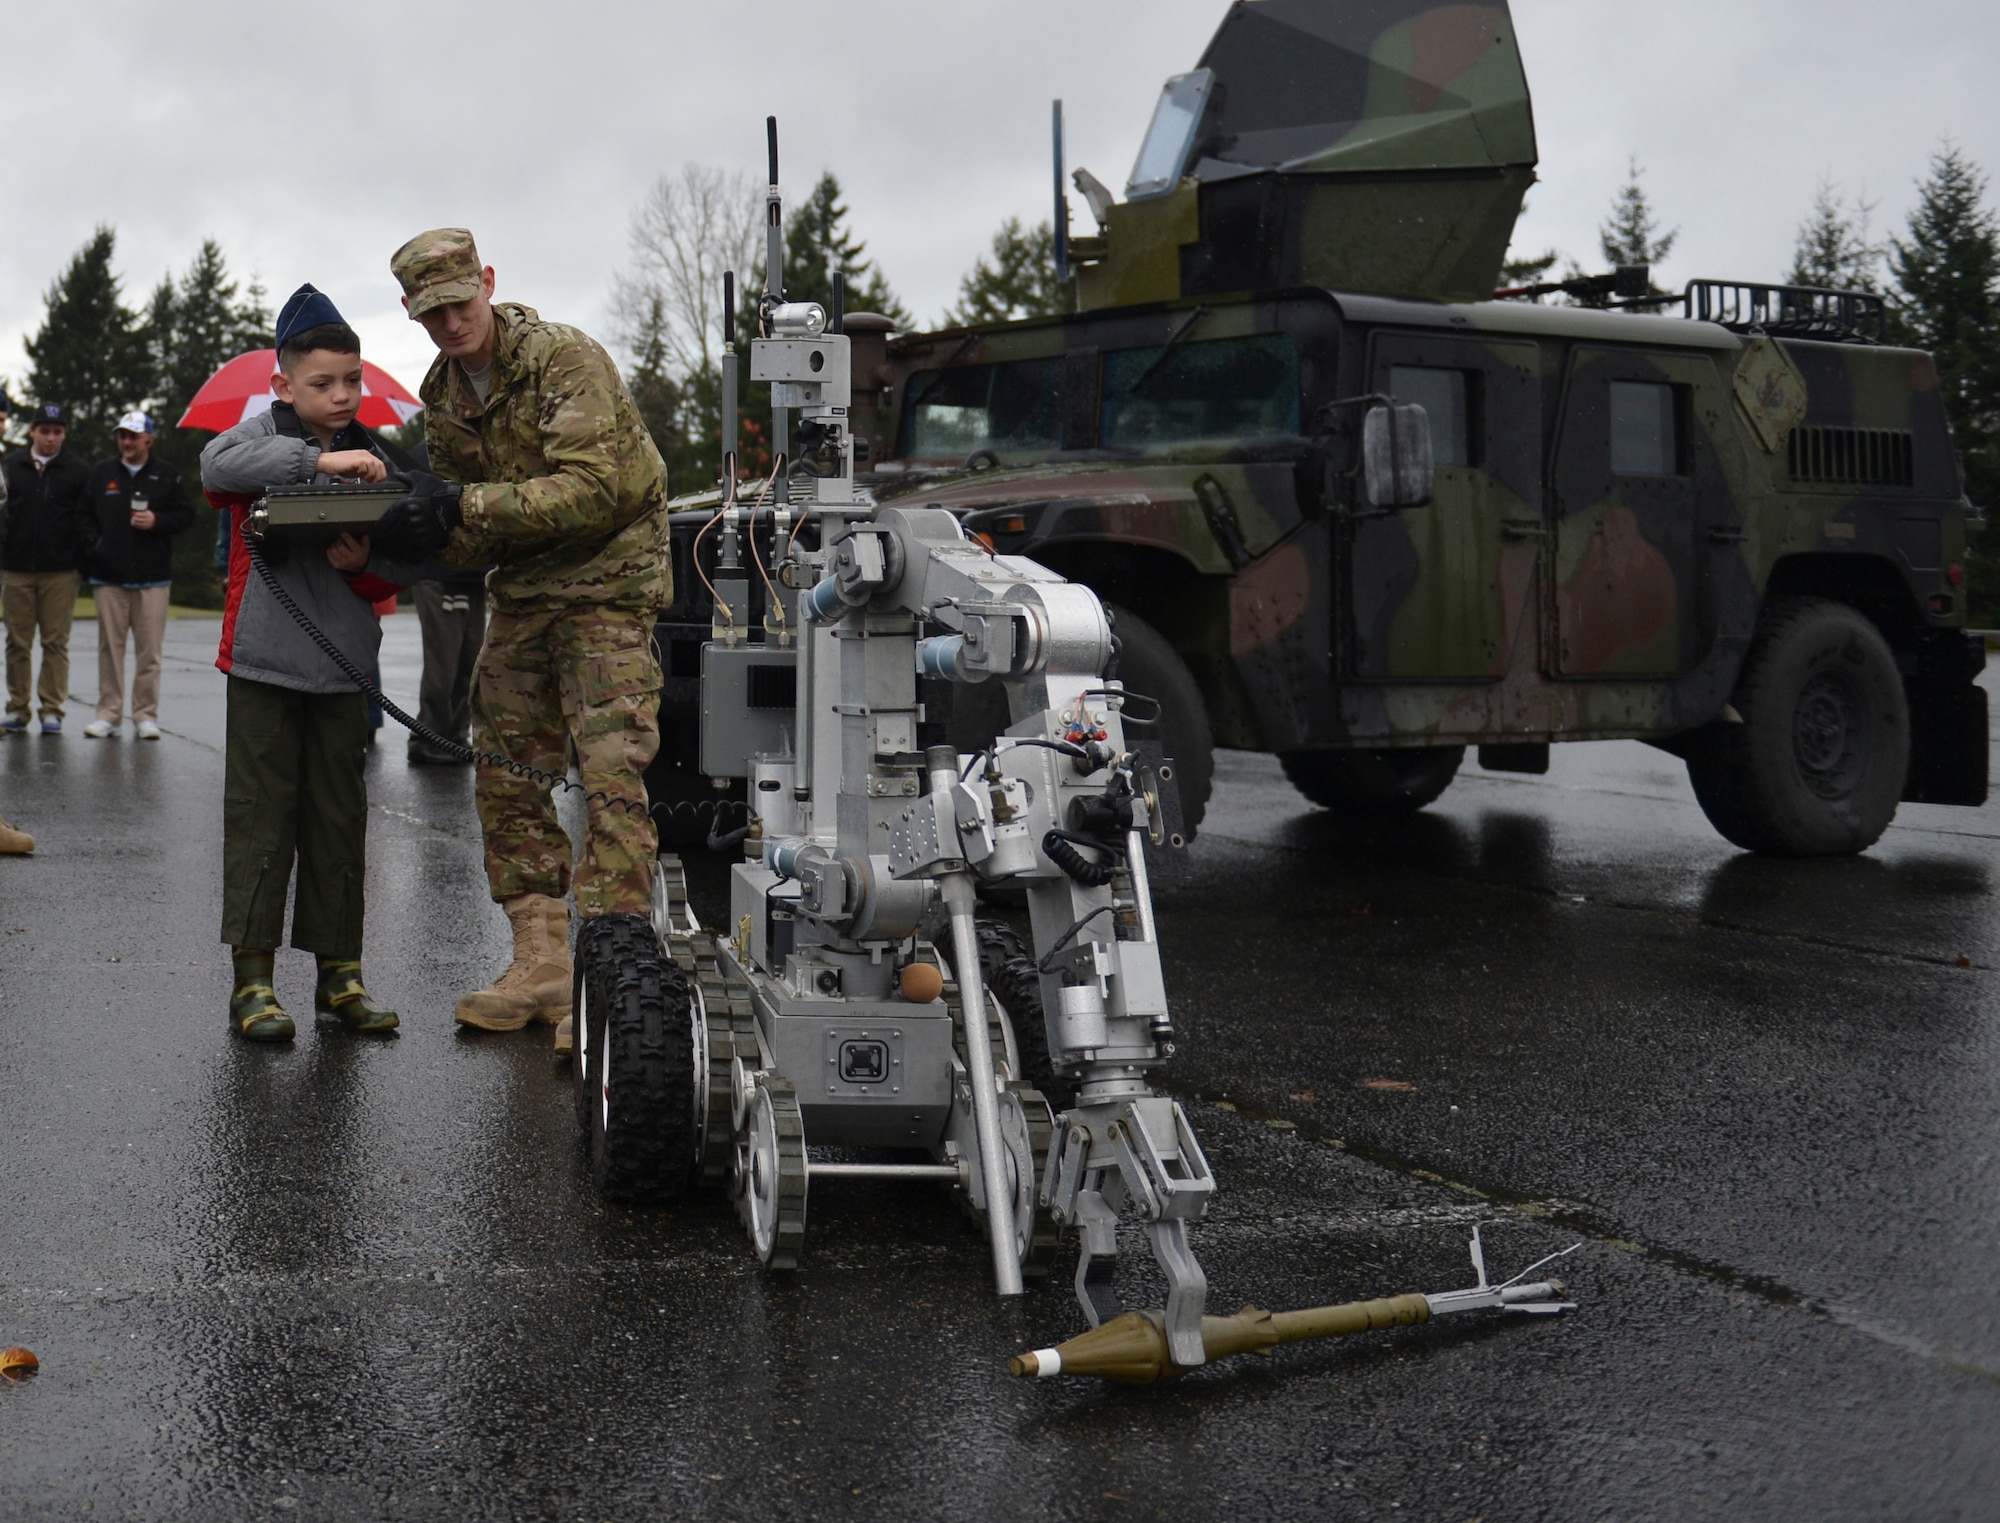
x=13 y=843
x=133 y=507
x=38 y=577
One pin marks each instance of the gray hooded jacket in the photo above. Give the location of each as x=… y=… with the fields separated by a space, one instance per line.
x=260 y=640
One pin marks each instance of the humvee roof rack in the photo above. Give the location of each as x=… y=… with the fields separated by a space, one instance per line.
x=1790 y=311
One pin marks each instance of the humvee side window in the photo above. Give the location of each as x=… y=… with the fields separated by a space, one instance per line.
x=1645 y=430
x=1228 y=388
x=1014 y=408
x=1442 y=394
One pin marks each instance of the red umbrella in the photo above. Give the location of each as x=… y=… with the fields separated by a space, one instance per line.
x=242 y=389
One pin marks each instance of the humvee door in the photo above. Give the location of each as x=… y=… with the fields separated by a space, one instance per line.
x=1633 y=457
x=1450 y=591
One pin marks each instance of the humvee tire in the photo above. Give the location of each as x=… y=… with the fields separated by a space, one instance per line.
x=1151 y=667
x=1377 y=783
x=635 y=1058
x=1816 y=768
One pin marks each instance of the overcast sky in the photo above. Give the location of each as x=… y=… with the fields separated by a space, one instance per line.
x=311 y=144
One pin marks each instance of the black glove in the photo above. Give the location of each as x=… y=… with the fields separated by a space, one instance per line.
x=416 y=527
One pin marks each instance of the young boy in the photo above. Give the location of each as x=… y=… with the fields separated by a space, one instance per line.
x=297 y=729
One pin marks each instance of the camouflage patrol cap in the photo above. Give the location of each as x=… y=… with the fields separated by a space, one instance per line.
x=436 y=267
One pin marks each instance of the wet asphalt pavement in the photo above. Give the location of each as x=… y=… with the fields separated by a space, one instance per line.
x=362 y=1280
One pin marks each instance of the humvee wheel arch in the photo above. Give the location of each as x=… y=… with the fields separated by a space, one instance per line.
x=1817 y=766
x=1373 y=783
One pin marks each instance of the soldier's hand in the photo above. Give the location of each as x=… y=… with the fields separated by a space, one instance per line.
x=416 y=527
x=352 y=465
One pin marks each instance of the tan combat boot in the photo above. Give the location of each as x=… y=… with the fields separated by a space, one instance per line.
x=15 y=843
x=536 y=985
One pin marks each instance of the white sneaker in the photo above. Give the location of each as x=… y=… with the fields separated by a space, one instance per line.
x=148 y=730
x=99 y=729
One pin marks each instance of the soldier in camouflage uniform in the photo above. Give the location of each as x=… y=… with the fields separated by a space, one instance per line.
x=550 y=477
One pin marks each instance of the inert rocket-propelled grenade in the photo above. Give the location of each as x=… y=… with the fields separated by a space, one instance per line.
x=1132 y=1349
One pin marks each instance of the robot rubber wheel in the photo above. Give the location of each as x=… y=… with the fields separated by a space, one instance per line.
x=640 y=1091
x=771 y=1172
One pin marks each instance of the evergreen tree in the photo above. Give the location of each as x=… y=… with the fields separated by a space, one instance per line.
x=1631 y=235
x=653 y=390
x=1947 y=276
x=1528 y=270
x=1016 y=279
x=818 y=241
x=194 y=326
x=90 y=352
x=680 y=414
x=1834 y=249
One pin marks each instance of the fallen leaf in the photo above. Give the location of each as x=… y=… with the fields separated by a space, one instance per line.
x=1364 y=910
x=1302 y=1094
x=21 y=1359
x=1396 y=1084
x=1965 y=962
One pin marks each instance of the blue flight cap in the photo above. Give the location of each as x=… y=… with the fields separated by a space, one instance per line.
x=306 y=308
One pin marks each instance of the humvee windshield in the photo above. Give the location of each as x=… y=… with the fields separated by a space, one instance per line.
x=1229 y=388
x=1012 y=409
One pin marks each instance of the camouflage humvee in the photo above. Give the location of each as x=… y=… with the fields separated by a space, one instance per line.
x=1736 y=533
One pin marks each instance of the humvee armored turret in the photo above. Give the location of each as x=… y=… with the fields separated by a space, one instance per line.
x=1736 y=532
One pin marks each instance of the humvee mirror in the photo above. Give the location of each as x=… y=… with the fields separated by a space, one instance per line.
x=1396 y=455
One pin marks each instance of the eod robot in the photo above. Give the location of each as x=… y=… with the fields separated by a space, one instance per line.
x=822 y=1016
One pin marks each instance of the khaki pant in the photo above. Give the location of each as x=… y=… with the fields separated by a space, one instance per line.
x=557 y=682
x=43 y=601
x=142 y=612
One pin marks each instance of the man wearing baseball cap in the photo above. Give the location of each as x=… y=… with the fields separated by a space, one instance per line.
x=550 y=477
x=38 y=577
x=133 y=507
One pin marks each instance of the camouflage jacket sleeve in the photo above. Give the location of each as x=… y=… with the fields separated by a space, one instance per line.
x=575 y=495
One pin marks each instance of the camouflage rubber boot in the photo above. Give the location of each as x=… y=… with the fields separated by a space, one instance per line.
x=536 y=985
x=15 y=843
x=340 y=993
x=253 y=1004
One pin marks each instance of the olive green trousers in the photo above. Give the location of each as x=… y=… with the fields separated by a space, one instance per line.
x=293 y=786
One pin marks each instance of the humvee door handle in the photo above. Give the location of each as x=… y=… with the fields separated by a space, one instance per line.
x=1523 y=528
x=1721 y=534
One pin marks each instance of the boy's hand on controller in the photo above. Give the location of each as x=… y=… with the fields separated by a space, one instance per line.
x=349 y=553
x=352 y=465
